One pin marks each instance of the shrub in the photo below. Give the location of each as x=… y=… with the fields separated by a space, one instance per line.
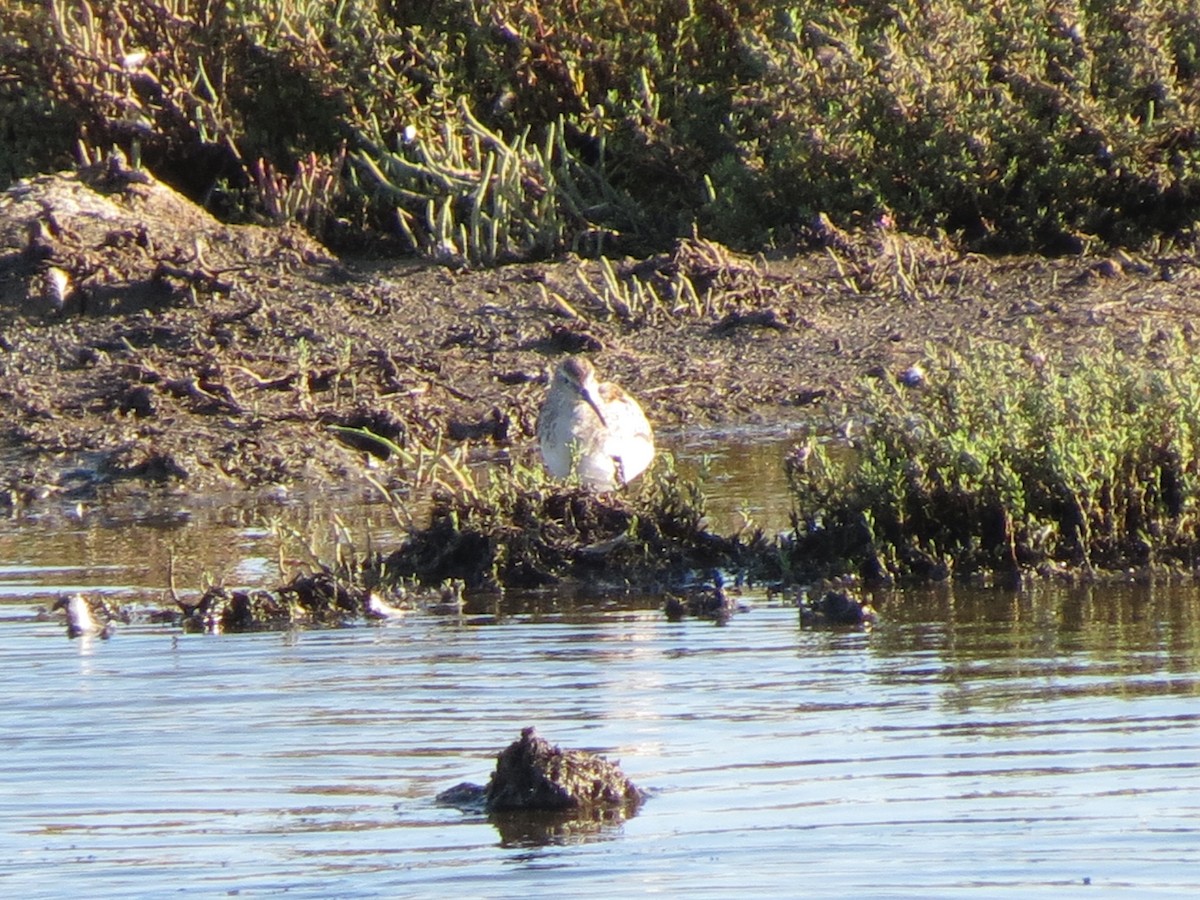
x=1015 y=125
x=1009 y=458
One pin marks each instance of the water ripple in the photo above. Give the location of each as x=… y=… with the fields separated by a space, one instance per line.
x=917 y=760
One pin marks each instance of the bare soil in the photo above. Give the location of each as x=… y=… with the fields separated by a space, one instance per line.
x=142 y=340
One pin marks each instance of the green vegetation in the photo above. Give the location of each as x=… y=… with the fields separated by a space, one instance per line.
x=478 y=198
x=1008 y=460
x=997 y=461
x=488 y=131
x=697 y=278
x=517 y=529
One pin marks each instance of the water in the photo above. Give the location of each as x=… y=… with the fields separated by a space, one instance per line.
x=977 y=743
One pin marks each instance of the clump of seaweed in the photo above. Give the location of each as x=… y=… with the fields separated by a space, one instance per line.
x=836 y=609
x=541 y=792
x=520 y=530
x=533 y=774
x=1008 y=459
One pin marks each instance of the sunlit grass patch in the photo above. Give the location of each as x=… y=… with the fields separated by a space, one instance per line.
x=1007 y=458
x=697 y=278
x=1005 y=125
x=468 y=194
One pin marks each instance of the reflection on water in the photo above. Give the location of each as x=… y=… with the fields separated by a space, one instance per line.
x=976 y=742
x=743 y=479
x=130 y=553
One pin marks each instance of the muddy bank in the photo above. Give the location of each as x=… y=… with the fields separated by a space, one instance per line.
x=143 y=341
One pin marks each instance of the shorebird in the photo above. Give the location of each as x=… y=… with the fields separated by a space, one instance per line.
x=593 y=429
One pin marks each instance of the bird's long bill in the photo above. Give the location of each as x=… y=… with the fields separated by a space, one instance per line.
x=594 y=403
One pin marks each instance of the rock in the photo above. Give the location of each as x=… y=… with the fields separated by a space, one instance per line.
x=837 y=608
x=914 y=377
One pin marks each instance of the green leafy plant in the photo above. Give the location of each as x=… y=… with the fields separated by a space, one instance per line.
x=1007 y=458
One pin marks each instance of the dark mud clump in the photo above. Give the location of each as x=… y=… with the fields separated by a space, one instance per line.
x=534 y=776
x=319 y=599
x=538 y=535
x=702 y=600
x=837 y=609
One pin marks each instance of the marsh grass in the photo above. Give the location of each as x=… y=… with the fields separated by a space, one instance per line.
x=1008 y=459
x=510 y=525
x=634 y=299
x=515 y=528
x=423 y=467
x=1000 y=461
x=697 y=278
x=467 y=194
x=543 y=127
x=309 y=196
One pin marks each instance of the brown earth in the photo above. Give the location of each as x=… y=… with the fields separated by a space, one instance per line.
x=140 y=339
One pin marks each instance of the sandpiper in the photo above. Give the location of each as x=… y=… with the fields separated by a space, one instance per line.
x=593 y=429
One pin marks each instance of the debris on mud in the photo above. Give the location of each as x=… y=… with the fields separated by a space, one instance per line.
x=144 y=340
x=307 y=600
x=109 y=240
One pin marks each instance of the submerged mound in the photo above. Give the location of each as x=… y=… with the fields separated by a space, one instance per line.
x=531 y=773
x=307 y=600
x=534 y=776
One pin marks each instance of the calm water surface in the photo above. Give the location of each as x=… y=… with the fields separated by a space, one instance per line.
x=976 y=743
